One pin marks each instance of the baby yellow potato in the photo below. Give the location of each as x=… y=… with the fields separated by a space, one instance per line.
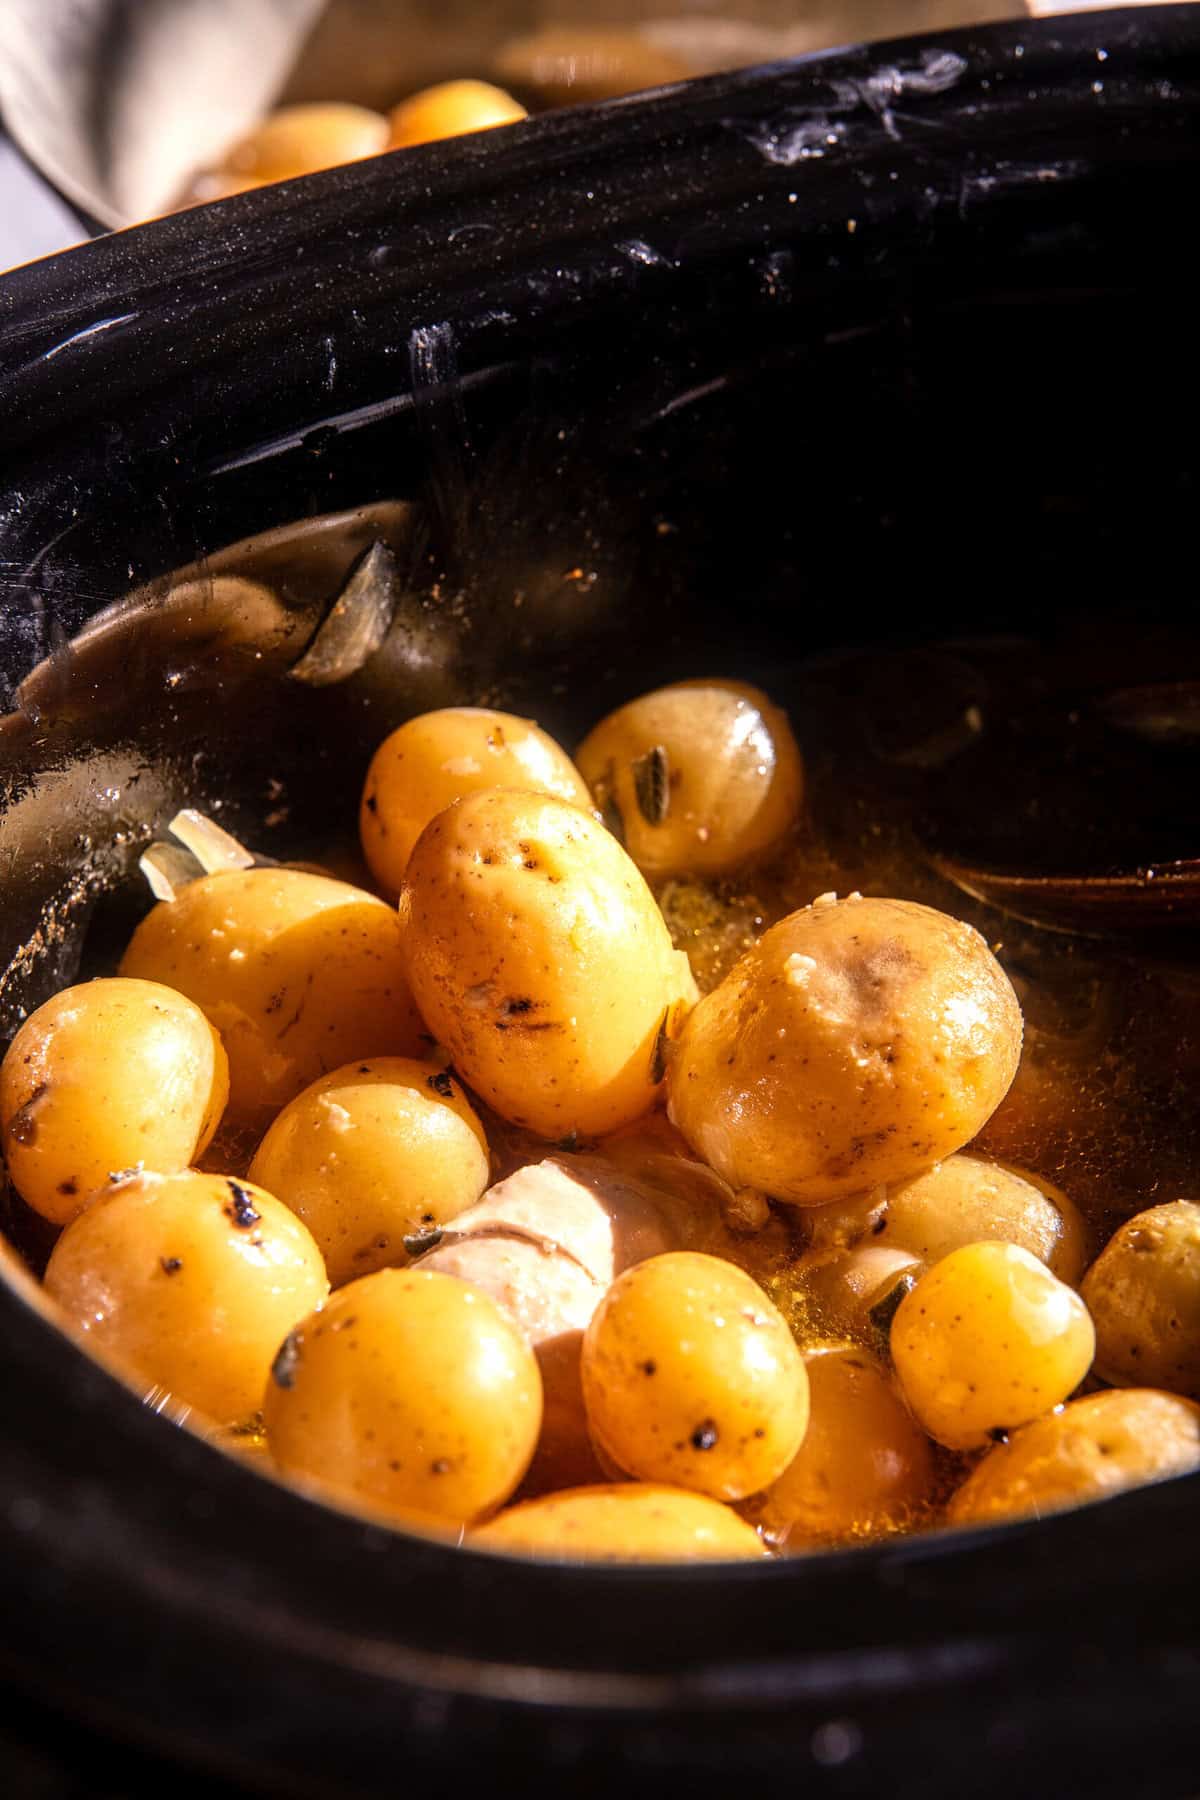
x=298 y=972
x=697 y=779
x=988 y=1340
x=439 y=757
x=865 y=1467
x=103 y=1077
x=691 y=1377
x=299 y=140
x=188 y=1282
x=965 y=1200
x=449 y=110
x=411 y=1393
x=372 y=1154
x=626 y=1522
x=1092 y=1448
x=858 y=1042
x=540 y=961
x=1143 y=1291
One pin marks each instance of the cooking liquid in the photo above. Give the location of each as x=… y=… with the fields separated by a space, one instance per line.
x=1103 y=1104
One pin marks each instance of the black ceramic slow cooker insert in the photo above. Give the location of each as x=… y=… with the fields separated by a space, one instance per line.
x=880 y=346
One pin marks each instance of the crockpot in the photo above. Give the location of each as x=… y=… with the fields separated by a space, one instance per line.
x=876 y=346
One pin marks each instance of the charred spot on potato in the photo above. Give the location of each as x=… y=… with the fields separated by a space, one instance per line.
x=241 y=1210
x=514 y=1015
x=287 y=1361
x=22 y=1127
x=418 y=1242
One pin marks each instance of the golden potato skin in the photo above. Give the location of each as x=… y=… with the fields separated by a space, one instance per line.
x=692 y=1378
x=625 y=1522
x=1094 y=1447
x=703 y=776
x=436 y=759
x=188 y=1281
x=450 y=109
x=541 y=963
x=298 y=140
x=1143 y=1291
x=298 y=972
x=966 y=1200
x=104 y=1076
x=371 y=1154
x=865 y=1467
x=988 y=1340
x=858 y=1042
x=410 y=1393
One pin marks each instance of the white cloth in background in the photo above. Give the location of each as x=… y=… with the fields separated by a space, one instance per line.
x=33 y=220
